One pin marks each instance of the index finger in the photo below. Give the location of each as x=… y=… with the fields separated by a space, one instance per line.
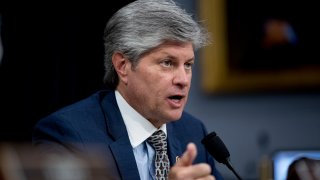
x=188 y=156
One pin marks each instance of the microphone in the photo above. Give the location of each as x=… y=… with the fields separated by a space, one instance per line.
x=218 y=150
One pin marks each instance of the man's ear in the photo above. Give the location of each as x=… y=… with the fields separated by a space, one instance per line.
x=120 y=64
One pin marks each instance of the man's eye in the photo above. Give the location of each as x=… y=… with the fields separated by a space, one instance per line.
x=166 y=63
x=188 y=65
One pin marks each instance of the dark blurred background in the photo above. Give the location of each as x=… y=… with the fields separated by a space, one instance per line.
x=52 y=56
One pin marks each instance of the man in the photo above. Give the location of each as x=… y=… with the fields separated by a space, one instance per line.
x=149 y=53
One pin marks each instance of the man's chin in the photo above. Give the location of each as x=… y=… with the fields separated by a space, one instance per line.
x=175 y=116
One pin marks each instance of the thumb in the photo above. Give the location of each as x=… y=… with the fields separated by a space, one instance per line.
x=188 y=156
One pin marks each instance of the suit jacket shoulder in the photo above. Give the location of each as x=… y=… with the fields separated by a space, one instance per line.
x=92 y=127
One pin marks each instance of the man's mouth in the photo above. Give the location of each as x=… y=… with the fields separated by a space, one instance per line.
x=176 y=97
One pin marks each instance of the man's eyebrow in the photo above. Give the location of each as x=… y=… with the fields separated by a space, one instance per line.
x=191 y=59
x=167 y=55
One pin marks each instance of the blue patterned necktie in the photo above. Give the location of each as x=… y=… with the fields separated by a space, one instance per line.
x=158 y=141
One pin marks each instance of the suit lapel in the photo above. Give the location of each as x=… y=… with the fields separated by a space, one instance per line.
x=124 y=157
x=174 y=145
x=121 y=147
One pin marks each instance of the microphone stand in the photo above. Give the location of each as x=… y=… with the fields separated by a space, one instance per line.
x=228 y=164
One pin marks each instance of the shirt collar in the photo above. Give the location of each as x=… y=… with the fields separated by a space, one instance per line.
x=138 y=127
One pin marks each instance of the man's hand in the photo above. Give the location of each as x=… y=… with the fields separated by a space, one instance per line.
x=183 y=169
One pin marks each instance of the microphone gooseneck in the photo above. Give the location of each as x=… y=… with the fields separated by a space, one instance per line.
x=215 y=146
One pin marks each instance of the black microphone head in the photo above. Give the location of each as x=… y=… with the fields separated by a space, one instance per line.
x=216 y=147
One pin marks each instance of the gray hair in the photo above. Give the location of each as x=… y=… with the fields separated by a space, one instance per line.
x=144 y=25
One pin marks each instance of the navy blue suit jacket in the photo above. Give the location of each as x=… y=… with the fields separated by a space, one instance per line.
x=97 y=120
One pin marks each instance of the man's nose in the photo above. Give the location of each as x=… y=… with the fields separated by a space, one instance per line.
x=182 y=77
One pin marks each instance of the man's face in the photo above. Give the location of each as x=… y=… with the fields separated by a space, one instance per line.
x=158 y=86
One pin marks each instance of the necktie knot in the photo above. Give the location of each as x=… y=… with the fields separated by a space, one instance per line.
x=158 y=141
